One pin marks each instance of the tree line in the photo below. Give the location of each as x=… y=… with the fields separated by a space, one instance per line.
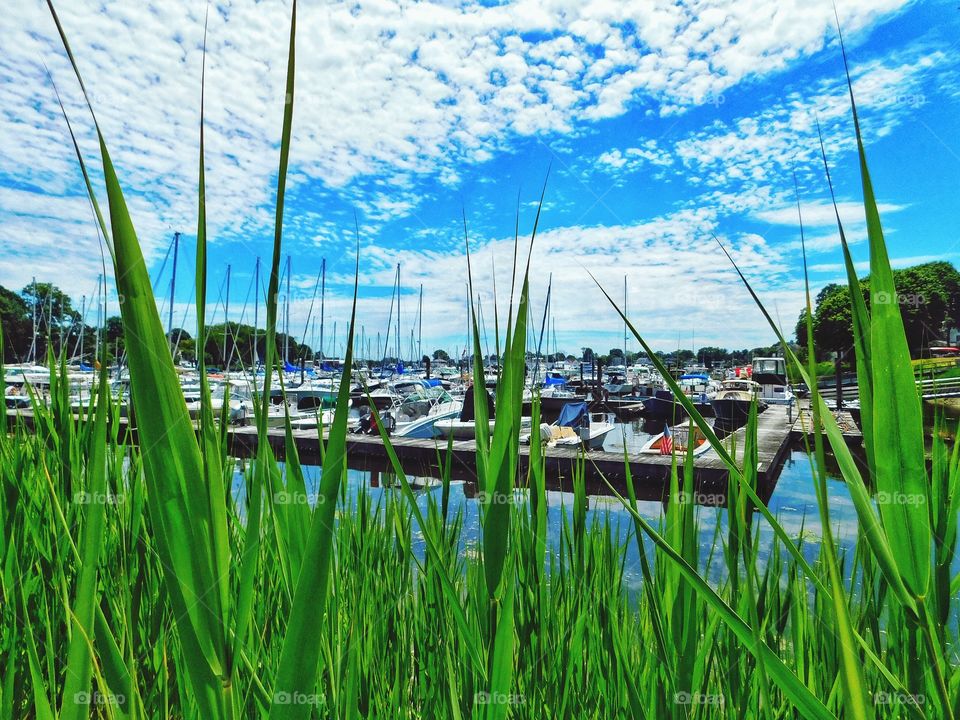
x=928 y=296
x=42 y=318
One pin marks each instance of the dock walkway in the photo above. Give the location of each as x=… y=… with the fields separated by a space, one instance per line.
x=778 y=429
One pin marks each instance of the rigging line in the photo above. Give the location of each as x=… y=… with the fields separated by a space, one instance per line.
x=163 y=267
x=306 y=326
x=243 y=312
x=193 y=296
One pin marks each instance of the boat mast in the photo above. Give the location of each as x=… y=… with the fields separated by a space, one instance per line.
x=420 y=322
x=33 y=342
x=256 y=312
x=83 y=323
x=323 y=295
x=226 y=320
x=399 y=351
x=624 y=321
x=96 y=353
x=286 y=334
x=173 y=289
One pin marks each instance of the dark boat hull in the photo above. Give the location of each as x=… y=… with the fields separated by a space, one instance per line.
x=666 y=408
x=731 y=411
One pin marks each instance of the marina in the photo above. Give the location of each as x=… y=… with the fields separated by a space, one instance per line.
x=779 y=430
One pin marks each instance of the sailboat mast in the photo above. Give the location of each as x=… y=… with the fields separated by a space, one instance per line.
x=286 y=333
x=420 y=322
x=256 y=311
x=624 y=320
x=323 y=295
x=399 y=352
x=226 y=319
x=33 y=342
x=173 y=287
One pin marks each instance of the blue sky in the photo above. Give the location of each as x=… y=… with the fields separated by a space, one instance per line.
x=661 y=124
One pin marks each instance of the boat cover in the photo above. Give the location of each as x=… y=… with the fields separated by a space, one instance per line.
x=574 y=415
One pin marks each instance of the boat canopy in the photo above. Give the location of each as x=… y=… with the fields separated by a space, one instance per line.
x=549 y=380
x=694 y=376
x=574 y=415
x=468 y=411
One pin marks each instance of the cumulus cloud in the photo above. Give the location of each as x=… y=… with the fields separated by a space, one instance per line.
x=394 y=102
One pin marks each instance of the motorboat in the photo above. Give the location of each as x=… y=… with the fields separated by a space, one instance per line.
x=663 y=405
x=770 y=373
x=416 y=415
x=464 y=426
x=575 y=426
x=731 y=406
x=676 y=440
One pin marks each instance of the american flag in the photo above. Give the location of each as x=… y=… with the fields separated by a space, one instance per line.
x=666 y=444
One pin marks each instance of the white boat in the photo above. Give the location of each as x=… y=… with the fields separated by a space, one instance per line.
x=464 y=426
x=771 y=374
x=575 y=426
x=416 y=416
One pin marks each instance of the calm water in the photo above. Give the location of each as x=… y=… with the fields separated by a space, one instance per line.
x=793 y=502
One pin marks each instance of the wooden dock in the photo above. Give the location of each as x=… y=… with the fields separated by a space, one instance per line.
x=778 y=430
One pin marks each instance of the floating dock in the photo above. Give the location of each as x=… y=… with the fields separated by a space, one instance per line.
x=779 y=430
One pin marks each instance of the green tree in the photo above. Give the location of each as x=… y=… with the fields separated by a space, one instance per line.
x=928 y=296
x=440 y=354
x=17 y=325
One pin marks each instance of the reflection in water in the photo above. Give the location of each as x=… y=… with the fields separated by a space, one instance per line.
x=793 y=502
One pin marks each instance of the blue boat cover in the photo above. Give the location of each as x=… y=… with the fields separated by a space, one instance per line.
x=695 y=376
x=287 y=367
x=433 y=382
x=573 y=415
x=85 y=368
x=399 y=368
x=548 y=381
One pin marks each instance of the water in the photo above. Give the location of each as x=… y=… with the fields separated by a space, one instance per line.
x=793 y=502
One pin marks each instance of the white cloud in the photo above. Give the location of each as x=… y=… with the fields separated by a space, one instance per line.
x=389 y=93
